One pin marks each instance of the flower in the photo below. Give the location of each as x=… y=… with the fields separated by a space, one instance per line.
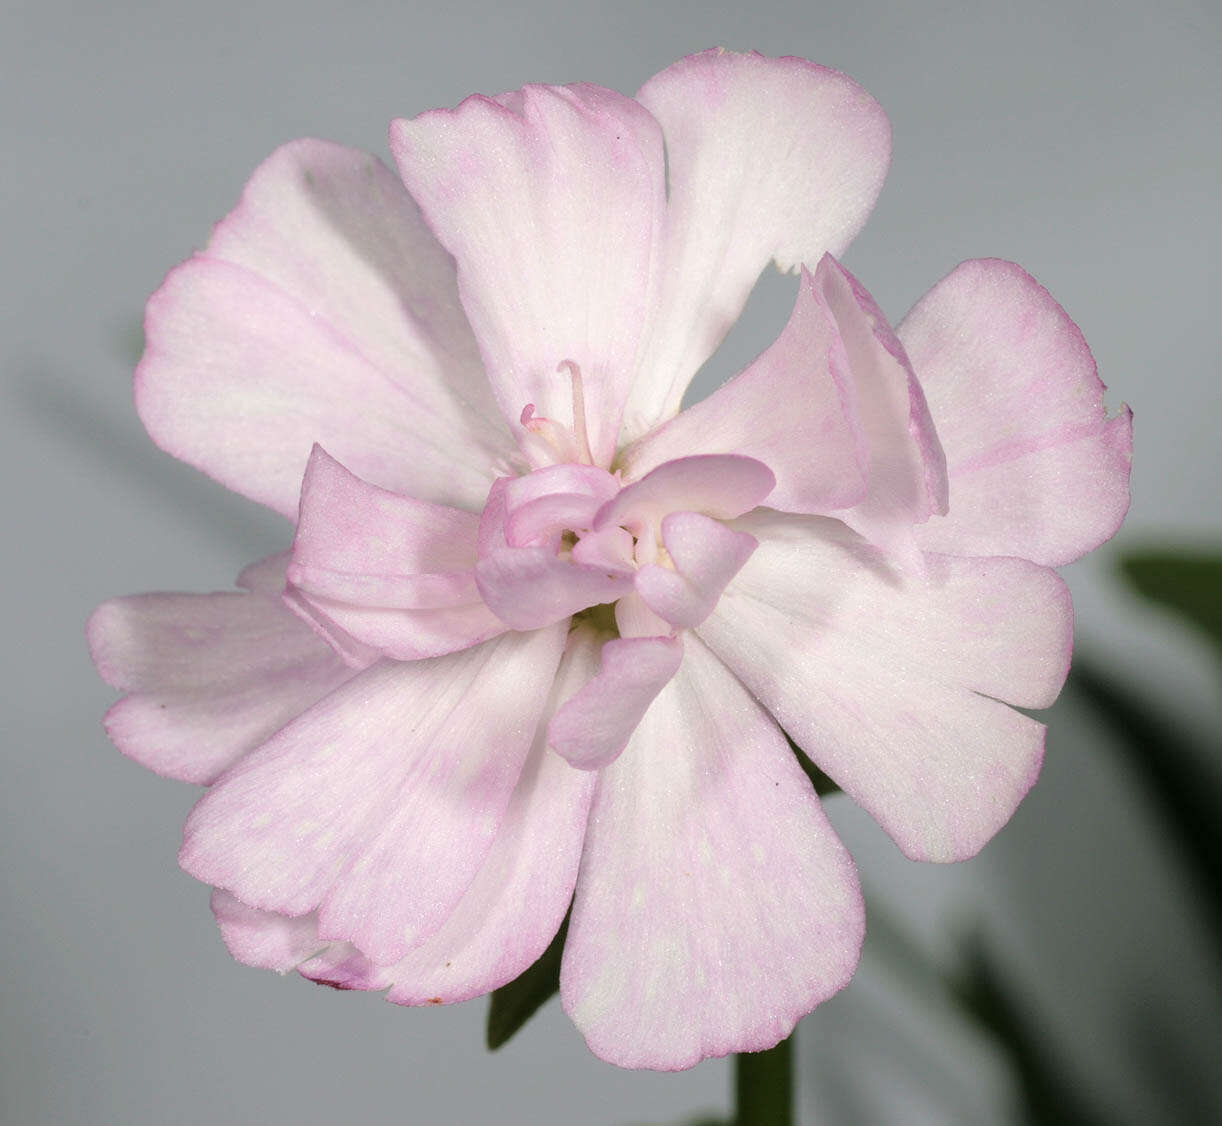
x=541 y=635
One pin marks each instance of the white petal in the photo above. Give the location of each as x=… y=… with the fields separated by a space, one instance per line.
x=891 y=682
x=715 y=906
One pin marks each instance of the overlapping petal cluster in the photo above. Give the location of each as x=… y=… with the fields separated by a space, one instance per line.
x=541 y=635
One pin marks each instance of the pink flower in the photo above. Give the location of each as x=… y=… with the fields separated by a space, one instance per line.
x=542 y=634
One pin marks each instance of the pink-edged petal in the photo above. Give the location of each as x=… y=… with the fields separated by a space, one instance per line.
x=719 y=485
x=714 y=906
x=610 y=548
x=789 y=409
x=262 y=938
x=767 y=159
x=245 y=398
x=491 y=535
x=706 y=555
x=378 y=806
x=892 y=681
x=558 y=498
x=906 y=468
x=550 y=202
x=633 y=618
x=361 y=544
x=594 y=724
x=532 y=587
x=1037 y=468
x=361 y=634
x=208 y=676
x=516 y=903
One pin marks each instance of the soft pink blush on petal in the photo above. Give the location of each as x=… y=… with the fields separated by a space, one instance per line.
x=892 y=681
x=1037 y=468
x=906 y=468
x=814 y=445
x=360 y=343
x=208 y=677
x=516 y=903
x=366 y=545
x=378 y=806
x=768 y=159
x=508 y=915
x=715 y=906
x=335 y=229
x=706 y=555
x=551 y=205
x=595 y=722
x=246 y=398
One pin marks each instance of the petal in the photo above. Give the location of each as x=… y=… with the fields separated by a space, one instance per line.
x=719 y=485
x=245 y=398
x=208 y=676
x=358 y=543
x=378 y=806
x=906 y=469
x=1037 y=469
x=383 y=574
x=891 y=682
x=332 y=233
x=715 y=906
x=532 y=587
x=262 y=938
x=788 y=409
x=516 y=903
x=767 y=159
x=555 y=499
x=360 y=634
x=595 y=723
x=706 y=554
x=550 y=204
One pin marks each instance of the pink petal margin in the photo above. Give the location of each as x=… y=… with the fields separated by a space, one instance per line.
x=1037 y=469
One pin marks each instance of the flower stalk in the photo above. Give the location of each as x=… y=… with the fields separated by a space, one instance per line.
x=763 y=1086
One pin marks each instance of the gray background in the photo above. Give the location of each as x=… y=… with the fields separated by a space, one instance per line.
x=1080 y=139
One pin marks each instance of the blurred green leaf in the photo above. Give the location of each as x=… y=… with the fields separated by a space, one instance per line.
x=1049 y=1098
x=516 y=1002
x=1189 y=583
x=1181 y=779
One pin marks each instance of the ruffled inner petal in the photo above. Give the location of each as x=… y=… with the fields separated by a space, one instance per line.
x=532 y=587
x=906 y=468
x=719 y=485
x=706 y=556
x=594 y=725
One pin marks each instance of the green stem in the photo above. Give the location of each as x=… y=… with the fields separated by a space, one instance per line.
x=763 y=1086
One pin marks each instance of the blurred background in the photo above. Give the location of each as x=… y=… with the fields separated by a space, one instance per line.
x=1070 y=973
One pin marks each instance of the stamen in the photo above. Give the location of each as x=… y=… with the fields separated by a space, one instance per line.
x=556 y=436
x=579 y=409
